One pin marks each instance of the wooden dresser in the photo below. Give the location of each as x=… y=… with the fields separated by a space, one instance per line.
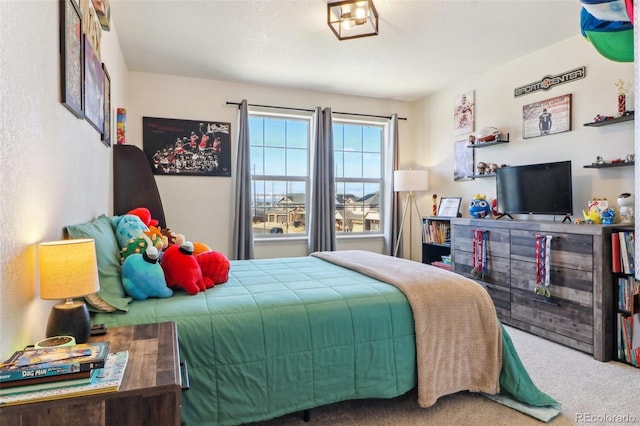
x=150 y=393
x=580 y=312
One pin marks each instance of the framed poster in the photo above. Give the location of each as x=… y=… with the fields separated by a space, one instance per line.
x=93 y=88
x=463 y=114
x=71 y=65
x=187 y=147
x=546 y=117
x=106 y=131
x=463 y=157
x=449 y=206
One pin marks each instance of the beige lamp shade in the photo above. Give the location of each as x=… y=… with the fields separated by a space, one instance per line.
x=68 y=269
x=410 y=180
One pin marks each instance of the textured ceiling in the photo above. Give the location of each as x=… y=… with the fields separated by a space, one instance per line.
x=422 y=44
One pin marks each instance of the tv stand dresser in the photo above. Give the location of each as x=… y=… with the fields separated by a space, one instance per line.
x=579 y=313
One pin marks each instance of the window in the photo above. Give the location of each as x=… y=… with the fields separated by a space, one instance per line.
x=279 y=173
x=280 y=167
x=358 y=157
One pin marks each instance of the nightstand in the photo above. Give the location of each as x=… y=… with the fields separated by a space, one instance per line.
x=150 y=393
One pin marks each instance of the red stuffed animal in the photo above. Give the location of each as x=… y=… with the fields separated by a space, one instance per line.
x=181 y=269
x=215 y=266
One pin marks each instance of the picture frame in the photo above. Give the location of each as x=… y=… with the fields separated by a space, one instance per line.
x=107 y=128
x=71 y=57
x=179 y=147
x=463 y=113
x=449 y=207
x=546 y=117
x=93 y=88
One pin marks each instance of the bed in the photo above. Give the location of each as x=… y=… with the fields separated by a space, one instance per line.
x=289 y=334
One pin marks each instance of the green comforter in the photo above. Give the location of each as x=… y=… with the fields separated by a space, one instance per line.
x=283 y=335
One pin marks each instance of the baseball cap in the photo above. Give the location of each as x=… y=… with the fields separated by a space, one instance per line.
x=607 y=10
x=612 y=39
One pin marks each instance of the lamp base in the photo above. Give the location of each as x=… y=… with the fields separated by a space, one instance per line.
x=70 y=319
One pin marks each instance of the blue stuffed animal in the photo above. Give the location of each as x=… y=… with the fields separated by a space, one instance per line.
x=479 y=207
x=143 y=277
x=128 y=227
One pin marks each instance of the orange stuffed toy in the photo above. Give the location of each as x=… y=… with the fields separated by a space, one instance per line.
x=181 y=269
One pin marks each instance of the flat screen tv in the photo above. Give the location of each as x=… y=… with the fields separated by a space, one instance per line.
x=544 y=189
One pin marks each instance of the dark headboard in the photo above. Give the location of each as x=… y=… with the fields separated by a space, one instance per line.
x=134 y=184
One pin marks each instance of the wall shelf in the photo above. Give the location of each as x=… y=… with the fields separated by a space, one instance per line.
x=484 y=176
x=485 y=144
x=623 y=118
x=608 y=165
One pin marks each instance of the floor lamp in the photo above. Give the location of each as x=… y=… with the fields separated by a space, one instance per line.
x=409 y=181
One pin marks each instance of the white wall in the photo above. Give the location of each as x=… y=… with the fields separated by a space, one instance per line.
x=495 y=105
x=201 y=208
x=54 y=169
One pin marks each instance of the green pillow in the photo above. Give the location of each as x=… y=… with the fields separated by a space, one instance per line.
x=111 y=295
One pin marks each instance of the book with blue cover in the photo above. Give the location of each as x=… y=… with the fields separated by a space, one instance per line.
x=32 y=363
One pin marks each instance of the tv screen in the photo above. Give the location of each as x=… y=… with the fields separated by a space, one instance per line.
x=544 y=188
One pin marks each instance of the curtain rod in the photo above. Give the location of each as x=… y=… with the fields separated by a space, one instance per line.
x=311 y=110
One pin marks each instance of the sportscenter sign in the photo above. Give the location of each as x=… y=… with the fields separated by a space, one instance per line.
x=549 y=81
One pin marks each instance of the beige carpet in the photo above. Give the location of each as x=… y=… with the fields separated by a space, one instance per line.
x=591 y=392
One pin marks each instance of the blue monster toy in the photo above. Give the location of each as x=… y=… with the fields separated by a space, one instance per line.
x=479 y=207
x=143 y=277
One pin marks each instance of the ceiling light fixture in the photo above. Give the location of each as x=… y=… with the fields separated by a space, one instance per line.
x=352 y=19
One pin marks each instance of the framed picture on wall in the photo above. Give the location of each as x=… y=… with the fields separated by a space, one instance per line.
x=71 y=65
x=463 y=114
x=106 y=131
x=93 y=88
x=546 y=117
x=187 y=147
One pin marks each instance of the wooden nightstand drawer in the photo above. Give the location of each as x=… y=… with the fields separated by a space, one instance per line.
x=150 y=393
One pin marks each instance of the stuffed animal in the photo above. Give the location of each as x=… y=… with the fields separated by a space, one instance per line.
x=479 y=207
x=160 y=241
x=181 y=269
x=199 y=248
x=128 y=227
x=215 y=266
x=172 y=237
x=143 y=277
x=145 y=215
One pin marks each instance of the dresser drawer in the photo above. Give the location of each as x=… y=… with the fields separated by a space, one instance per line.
x=557 y=316
x=497 y=239
x=501 y=297
x=571 y=285
x=497 y=270
x=574 y=251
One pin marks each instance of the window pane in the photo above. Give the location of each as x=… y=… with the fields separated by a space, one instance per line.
x=274 y=161
x=279 y=207
x=353 y=164
x=274 y=132
x=297 y=162
x=372 y=139
x=372 y=165
x=352 y=138
x=297 y=134
x=256 y=131
x=338 y=158
x=338 y=139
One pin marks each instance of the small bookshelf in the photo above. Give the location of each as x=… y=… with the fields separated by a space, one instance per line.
x=436 y=241
x=626 y=298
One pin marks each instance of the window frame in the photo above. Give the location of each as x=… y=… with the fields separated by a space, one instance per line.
x=266 y=112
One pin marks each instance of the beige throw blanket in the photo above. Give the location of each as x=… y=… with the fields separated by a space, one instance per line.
x=458 y=337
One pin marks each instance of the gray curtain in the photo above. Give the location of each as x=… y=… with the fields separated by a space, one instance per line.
x=392 y=209
x=322 y=230
x=242 y=231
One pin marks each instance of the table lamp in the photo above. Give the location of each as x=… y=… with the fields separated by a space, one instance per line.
x=68 y=269
x=409 y=181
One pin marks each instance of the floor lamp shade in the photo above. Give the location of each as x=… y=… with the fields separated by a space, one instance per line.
x=68 y=269
x=410 y=180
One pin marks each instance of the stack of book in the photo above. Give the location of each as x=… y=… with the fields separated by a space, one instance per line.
x=32 y=375
x=622 y=251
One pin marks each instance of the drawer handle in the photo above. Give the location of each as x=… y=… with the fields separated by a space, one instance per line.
x=184 y=375
x=548 y=300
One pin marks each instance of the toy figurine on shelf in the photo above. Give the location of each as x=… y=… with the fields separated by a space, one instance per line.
x=622 y=97
x=435 y=204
